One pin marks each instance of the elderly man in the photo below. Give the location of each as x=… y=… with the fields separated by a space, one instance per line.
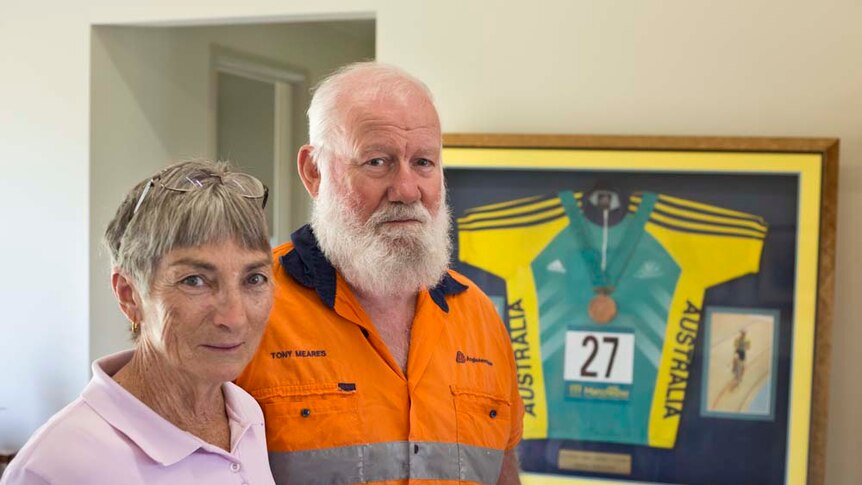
x=380 y=365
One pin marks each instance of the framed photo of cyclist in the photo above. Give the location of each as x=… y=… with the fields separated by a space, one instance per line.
x=668 y=299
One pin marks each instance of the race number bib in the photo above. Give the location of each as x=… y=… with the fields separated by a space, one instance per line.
x=599 y=365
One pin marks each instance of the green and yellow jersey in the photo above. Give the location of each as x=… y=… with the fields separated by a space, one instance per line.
x=623 y=381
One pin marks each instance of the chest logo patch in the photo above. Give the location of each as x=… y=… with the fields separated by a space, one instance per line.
x=462 y=358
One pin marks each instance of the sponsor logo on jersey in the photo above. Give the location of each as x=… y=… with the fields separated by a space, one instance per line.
x=649 y=270
x=556 y=266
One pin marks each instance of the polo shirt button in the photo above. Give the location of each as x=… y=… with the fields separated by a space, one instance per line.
x=234 y=467
x=493 y=413
x=305 y=412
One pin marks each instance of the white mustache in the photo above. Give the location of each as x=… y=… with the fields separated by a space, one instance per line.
x=399 y=212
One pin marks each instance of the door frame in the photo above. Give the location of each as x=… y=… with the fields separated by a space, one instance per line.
x=290 y=87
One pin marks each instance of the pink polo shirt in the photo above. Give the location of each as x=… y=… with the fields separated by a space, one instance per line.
x=107 y=436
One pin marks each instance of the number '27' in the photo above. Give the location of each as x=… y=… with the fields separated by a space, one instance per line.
x=593 y=342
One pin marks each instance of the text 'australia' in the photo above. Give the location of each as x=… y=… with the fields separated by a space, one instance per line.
x=683 y=353
x=521 y=347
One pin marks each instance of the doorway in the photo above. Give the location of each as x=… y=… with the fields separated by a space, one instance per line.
x=253 y=124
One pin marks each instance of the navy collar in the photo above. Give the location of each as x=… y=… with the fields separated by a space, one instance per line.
x=309 y=267
x=615 y=216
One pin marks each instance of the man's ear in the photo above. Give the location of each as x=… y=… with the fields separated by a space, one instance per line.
x=308 y=171
x=127 y=297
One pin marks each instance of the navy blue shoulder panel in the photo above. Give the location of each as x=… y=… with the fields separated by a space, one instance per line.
x=447 y=286
x=309 y=267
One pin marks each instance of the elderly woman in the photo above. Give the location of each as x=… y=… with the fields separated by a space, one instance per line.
x=192 y=274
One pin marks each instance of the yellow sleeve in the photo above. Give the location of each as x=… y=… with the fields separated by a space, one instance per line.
x=710 y=244
x=502 y=238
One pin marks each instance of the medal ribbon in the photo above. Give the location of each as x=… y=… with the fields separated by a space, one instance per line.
x=604 y=280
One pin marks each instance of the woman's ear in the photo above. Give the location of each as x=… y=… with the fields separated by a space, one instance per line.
x=127 y=297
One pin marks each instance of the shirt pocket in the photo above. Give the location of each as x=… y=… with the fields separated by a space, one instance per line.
x=310 y=416
x=482 y=419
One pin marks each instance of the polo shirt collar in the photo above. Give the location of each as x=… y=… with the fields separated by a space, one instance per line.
x=309 y=267
x=160 y=439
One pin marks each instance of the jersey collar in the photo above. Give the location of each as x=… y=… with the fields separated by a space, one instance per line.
x=309 y=267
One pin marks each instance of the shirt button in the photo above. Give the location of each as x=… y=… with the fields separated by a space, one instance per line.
x=234 y=467
x=305 y=413
x=493 y=413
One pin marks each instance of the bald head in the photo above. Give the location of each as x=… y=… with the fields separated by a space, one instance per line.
x=358 y=87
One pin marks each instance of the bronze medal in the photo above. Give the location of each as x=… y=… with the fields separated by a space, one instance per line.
x=602 y=308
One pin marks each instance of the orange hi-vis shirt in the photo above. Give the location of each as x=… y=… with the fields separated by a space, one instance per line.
x=339 y=409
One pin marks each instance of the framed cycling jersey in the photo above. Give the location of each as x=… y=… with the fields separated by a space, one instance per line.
x=668 y=300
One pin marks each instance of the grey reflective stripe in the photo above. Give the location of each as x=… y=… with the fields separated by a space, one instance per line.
x=480 y=464
x=434 y=461
x=395 y=460
x=383 y=460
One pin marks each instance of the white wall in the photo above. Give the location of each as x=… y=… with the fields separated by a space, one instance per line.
x=43 y=212
x=773 y=67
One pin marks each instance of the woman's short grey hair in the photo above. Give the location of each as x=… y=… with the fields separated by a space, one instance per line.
x=365 y=80
x=168 y=220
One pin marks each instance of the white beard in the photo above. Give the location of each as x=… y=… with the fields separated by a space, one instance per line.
x=377 y=259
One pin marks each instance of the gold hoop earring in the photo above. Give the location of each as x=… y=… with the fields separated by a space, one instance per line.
x=135 y=327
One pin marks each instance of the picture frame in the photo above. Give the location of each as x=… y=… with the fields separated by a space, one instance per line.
x=760 y=211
